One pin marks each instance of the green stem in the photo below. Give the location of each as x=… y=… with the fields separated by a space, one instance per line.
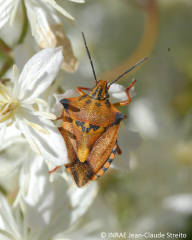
x=6 y=66
x=4 y=47
x=25 y=25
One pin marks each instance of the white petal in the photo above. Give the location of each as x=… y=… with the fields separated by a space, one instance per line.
x=40 y=196
x=58 y=107
x=52 y=147
x=12 y=164
x=60 y=9
x=6 y=218
x=143 y=117
x=2 y=133
x=68 y=207
x=179 y=203
x=118 y=92
x=81 y=199
x=50 y=33
x=25 y=130
x=13 y=135
x=61 y=212
x=115 y=88
x=38 y=73
x=5 y=11
x=37 y=127
x=127 y=141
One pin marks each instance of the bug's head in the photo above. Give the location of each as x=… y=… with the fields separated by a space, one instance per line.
x=99 y=91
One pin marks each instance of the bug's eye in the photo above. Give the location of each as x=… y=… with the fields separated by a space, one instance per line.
x=106 y=95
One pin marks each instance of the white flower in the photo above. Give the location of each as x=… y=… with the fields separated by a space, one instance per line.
x=181 y=203
x=46 y=26
x=17 y=105
x=8 y=11
x=48 y=208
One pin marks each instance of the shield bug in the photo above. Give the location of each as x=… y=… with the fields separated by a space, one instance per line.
x=90 y=126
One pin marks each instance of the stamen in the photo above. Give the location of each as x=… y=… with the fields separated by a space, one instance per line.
x=23 y=206
x=37 y=127
x=2 y=107
x=33 y=22
x=15 y=72
x=9 y=107
x=13 y=13
x=26 y=186
x=33 y=145
x=4 y=88
x=40 y=101
x=48 y=115
x=10 y=122
x=17 y=199
x=6 y=117
x=6 y=98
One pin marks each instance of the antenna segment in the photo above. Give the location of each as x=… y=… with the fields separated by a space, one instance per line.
x=128 y=70
x=89 y=56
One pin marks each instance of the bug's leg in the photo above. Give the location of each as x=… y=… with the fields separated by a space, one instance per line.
x=54 y=169
x=119 y=150
x=79 y=90
x=107 y=164
x=60 y=129
x=61 y=117
x=126 y=102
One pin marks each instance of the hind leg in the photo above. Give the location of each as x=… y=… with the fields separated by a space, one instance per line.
x=107 y=164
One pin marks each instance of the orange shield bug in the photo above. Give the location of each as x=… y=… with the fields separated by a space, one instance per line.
x=90 y=126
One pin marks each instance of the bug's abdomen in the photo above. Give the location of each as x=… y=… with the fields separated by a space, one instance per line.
x=86 y=135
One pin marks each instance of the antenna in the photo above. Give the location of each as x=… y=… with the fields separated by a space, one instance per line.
x=89 y=56
x=129 y=70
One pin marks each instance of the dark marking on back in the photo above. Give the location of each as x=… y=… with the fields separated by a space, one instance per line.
x=82 y=126
x=88 y=101
x=118 y=117
x=84 y=129
x=65 y=103
x=77 y=123
x=98 y=104
x=107 y=103
x=94 y=127
x=82 y=97
x=93 y=94
x=99 y=94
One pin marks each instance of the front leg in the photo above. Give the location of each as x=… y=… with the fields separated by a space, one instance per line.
x=79 y=90
x=126 y=102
